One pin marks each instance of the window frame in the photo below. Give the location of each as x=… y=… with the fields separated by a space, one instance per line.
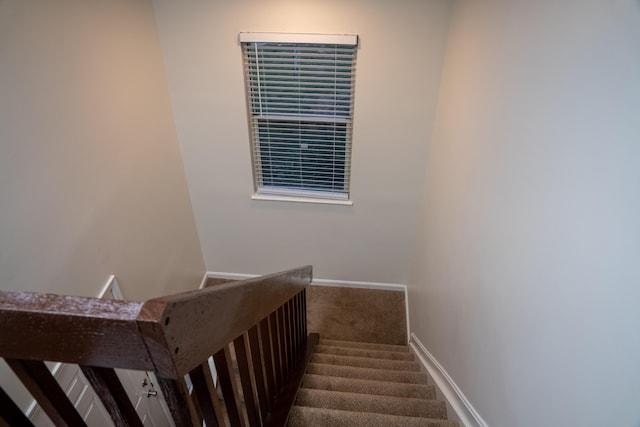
x=319 y=118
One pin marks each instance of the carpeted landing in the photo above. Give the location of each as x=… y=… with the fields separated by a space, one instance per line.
x=359 y=384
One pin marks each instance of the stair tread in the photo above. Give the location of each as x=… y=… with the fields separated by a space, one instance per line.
x=357 y=402
x=365 y=362
x=409 y=377
x=320 y=417
x=363 y=352
x=373 y=387
x=364 y=345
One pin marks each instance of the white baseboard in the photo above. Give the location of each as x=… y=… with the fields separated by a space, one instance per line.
x=111 y=289
x=465 y=412
x=406 y=310
x=318 y=282
x=203 y=282
x=230 y=276
x=360 y=285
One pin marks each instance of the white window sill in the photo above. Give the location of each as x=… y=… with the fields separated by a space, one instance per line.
x=273 y=198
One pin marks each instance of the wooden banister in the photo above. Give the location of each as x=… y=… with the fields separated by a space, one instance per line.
x=86 y=331
x=254 y=330
x=191 y=322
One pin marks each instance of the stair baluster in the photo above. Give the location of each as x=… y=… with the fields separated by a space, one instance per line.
x=252 y=329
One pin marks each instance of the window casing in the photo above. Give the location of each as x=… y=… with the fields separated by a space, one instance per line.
x=300 y=91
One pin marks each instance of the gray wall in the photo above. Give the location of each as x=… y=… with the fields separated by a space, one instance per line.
x=525 y=277
x=398 y=75
x=91 y=176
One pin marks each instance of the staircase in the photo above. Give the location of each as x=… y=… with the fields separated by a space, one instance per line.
x=270 y=371
x=359 y=384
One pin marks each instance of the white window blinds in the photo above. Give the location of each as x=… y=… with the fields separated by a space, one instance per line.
x=300 y=100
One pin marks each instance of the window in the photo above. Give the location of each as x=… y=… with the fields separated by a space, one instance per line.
x=300 y=104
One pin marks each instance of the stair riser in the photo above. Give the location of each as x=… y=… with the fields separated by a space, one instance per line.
x=367 y=373
x=382 y=388
x=356 y=352
x=364 y=362
x=318 y=417
x=366 y=346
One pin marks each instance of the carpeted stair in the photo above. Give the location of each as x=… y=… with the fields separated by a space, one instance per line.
x=370 y=385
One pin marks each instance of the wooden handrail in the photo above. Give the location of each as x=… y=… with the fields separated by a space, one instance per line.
x=199 y=323
x=86 y=331
x=263 y=317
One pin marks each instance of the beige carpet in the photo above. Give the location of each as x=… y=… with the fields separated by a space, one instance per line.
x=369 y=385
x=362 y=372
x=352 y=314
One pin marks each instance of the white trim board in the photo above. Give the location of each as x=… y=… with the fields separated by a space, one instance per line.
x=203 y=282
x=111 y=290
x=360 y=285
x=465 y=412
x=344 y=39
x=406 y=310
x=318 y=282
